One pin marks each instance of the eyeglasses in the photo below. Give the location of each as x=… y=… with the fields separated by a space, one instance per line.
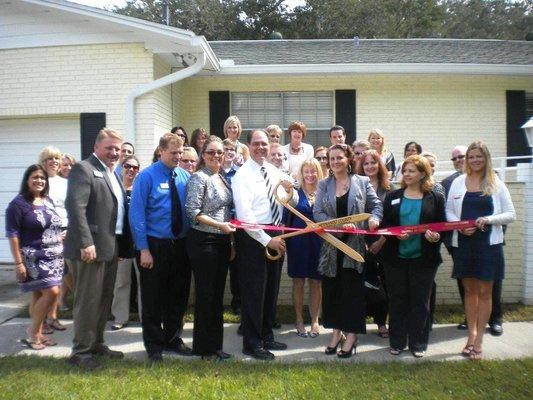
x=321 y=158
x=213 y=152
x=181 y=135
x=188 y=161
x=129 y=166
x=227 y=149
x=458 y=158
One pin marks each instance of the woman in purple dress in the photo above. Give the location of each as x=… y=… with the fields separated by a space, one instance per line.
x=34 y=231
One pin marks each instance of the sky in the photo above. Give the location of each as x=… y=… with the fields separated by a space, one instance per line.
x=110 y=3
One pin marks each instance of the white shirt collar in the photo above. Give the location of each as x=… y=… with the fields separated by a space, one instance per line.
x=109 y=170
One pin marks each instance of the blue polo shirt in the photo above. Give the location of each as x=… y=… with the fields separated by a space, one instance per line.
x=150 y=207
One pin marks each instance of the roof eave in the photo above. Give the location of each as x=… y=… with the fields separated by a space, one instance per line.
x=378 y=68
x=168 y=32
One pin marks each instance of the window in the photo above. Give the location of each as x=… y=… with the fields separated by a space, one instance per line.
x=257 y=110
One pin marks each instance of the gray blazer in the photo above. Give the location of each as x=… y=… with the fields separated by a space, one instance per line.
x=92 y=209
x=361 y=198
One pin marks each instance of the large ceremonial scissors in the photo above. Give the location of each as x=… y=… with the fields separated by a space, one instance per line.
x=313 y=226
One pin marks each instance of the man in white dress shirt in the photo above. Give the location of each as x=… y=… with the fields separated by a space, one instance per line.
x=259 y=277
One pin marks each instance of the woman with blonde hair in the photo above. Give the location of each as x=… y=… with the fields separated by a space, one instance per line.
x=478 y=251
x=189 y=159
x=50 y=159
x=232 y=131
x=359 y=147
x=377 y=142
x=303 y=250
x=411 y=261
x=67 y=162
x=274 y=133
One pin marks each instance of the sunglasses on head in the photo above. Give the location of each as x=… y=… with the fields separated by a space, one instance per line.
x=129 y=166
x=458 y=158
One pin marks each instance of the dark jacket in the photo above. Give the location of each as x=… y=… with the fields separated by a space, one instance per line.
x=92 y=210
x=432 y=211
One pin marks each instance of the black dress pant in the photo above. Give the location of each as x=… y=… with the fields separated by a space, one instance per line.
x=164 y=293
x=377 y=305
x=496 y=314
x=409 y=284
x=343 y=301
x=234 y=284
x=209 y=254
x=259 y=283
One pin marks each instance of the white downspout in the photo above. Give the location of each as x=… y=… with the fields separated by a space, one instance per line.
x=149 y=87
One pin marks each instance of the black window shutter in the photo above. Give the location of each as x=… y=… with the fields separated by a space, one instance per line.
x=90 y=125
x=345 y=112
x=218 y=112
x=516 y=117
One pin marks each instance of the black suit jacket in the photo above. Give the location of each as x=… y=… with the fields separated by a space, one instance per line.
x=432 y=211
x=92 y=210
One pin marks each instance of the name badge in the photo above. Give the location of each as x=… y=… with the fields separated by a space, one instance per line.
x=163 y=185
x=395 y=201
x=98 y=174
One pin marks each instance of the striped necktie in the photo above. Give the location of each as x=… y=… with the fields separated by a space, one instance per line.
x=274 y=209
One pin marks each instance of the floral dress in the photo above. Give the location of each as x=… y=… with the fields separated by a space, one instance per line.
x=38 y=228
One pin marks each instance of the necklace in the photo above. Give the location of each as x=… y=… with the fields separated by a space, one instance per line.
x=310 y=195
x=296 y=150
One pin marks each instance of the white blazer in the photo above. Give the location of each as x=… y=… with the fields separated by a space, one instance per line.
x=504 y=212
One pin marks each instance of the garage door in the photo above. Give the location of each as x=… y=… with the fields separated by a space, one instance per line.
x=21 y=141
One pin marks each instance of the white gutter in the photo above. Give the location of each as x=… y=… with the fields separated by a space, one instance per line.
x=381 y=68
x=149 y=87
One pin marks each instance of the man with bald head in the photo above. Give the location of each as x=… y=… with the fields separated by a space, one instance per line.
x=458 y=159
x=253 y=186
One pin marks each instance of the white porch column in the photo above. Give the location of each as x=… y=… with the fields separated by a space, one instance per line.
x=525 y=174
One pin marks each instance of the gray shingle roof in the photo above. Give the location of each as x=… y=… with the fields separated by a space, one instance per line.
x=375 y=51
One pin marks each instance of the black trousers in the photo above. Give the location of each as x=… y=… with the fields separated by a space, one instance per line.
x=259 y=283
x=164 y=293
x=234 y=284
x=209 y=254
x=377 y=305
x=409 y=284
x=496 y=314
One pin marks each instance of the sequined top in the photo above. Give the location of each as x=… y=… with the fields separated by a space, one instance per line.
x=208 y=195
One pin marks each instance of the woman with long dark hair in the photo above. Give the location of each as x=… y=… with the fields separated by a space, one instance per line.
x=34 y=231
x=343 y=300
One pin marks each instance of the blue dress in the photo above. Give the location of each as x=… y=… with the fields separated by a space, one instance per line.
x=475 y=257
x=303 y=250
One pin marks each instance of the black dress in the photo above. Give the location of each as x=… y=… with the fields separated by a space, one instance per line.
x=343 y=297
x=475 y=257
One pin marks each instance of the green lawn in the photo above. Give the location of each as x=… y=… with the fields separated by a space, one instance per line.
x=45 y=378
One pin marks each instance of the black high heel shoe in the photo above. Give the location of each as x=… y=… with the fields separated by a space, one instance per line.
x=333 y=350
x=349 y=353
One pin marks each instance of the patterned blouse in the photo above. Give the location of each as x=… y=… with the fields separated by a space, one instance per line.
x=209 y=196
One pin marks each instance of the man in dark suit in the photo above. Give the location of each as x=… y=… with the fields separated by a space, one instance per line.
x=96 y=207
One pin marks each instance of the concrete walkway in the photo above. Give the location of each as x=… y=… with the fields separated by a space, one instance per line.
x=445 y=343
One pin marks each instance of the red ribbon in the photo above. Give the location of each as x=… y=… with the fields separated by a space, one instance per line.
x=392 y=231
